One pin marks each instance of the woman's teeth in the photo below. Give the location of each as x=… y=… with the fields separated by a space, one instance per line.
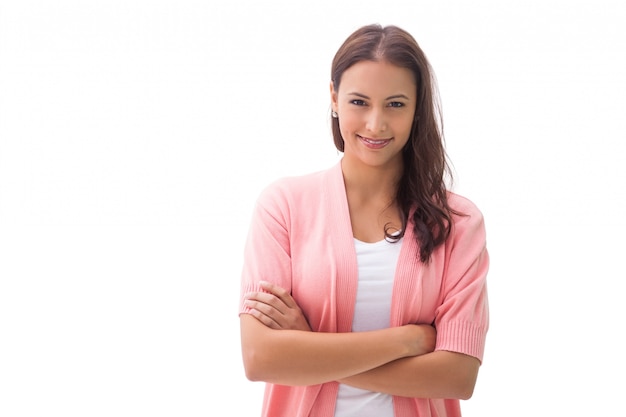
x=374 y=141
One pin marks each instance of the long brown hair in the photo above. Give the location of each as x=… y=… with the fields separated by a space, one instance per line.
x=422 y=192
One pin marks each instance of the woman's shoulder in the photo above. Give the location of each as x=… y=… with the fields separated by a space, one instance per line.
x=466 y=213
x=460 y=203
x=296 y=187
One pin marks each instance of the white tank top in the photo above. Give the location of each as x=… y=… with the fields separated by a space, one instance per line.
x=376 y=268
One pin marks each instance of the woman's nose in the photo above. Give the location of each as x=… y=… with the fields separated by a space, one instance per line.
x=375 y=121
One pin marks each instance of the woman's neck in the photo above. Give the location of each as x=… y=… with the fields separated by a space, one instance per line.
x=371 y=193
x=370 y=182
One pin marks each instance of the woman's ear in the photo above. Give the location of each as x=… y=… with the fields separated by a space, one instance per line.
x=333 y=97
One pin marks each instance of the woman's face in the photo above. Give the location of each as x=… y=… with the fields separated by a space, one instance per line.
x=375 y=104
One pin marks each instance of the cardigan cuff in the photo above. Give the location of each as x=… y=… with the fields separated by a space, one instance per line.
x=462 y=337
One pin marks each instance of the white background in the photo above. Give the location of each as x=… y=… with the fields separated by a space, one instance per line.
x=135 y=136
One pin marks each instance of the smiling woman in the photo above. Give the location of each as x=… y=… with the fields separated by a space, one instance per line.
x=364 y=285
x=375 y=107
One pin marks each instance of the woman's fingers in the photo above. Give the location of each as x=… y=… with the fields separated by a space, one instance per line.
x=280 y=293
x=276 y=308
x=265 y=313
x=268 y=299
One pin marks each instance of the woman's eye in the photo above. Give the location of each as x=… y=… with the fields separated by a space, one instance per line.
x=358 y=102
x=396 y=104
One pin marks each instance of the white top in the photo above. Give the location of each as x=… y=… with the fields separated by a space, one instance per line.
x=377 y=266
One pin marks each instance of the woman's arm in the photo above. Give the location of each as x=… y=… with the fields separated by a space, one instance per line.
x=299 y=357
x=439 y=374
x=279 y=347
x=426 y=374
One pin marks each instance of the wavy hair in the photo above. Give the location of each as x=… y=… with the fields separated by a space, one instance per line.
x=422 y=192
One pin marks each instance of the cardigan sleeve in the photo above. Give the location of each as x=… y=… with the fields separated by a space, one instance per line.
x=462 y=318
x=267 y=249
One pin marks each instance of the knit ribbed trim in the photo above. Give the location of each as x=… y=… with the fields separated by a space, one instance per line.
x=462 y=337
x=347 y=272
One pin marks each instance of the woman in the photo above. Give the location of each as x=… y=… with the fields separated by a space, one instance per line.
x=364 y=285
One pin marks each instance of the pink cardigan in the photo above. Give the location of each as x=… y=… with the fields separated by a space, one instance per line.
x=301 y=239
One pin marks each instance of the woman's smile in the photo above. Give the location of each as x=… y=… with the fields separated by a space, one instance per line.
x=374 y=143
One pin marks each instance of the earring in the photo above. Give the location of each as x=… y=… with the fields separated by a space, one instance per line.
x=334 y=114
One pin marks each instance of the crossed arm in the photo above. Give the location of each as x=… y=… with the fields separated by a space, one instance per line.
x=278 y=346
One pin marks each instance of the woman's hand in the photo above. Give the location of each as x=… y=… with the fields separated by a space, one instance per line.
x=276 y=308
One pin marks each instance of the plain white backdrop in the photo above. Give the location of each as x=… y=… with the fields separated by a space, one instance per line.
x=135 y=136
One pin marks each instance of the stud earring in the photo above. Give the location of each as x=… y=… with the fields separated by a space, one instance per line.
x=334 y=114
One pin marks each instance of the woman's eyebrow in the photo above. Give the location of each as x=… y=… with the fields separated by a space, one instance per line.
x=388 y=98
x=397 y=96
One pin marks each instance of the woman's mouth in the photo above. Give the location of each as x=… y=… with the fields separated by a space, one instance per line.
x=374 y=143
